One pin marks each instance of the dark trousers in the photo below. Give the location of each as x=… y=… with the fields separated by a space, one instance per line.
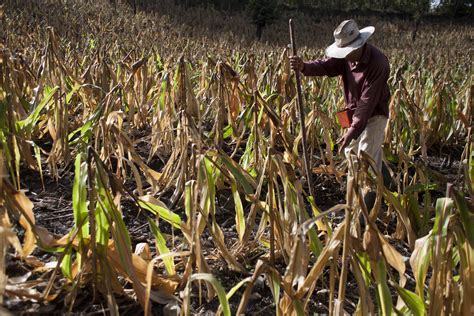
x=369 y=197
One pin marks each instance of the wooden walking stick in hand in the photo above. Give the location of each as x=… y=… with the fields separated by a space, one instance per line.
x=299 y=99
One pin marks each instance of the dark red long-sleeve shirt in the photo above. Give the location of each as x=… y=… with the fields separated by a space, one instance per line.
x=365 y=85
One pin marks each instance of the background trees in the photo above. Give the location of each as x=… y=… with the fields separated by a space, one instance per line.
x=446 y=7
x=263 y=12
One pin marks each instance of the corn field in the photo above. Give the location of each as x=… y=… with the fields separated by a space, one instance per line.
x=146 y=168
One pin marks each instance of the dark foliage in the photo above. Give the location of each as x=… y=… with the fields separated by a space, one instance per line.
x=262 y=13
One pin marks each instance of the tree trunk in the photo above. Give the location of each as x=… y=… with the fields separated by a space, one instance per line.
x=415 y=29
x=259 y=31
x=455 y=10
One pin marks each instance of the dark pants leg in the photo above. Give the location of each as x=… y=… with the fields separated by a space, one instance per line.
x=369 y=197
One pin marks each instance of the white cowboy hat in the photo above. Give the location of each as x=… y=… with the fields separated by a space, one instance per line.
x=348 y=38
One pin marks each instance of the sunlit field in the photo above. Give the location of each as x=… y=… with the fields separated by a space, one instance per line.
x=153 y=163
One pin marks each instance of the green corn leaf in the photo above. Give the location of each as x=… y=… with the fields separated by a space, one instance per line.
x=236 y=287
x=29 y=123
x=79 y=129
x=316 y=212
x=383 y=292
x=79 y=197
x=158 y=62
x=66 y=264
x=211 y=176
x=404 y=311
x=467 y=218
x=419 y=187
x=102 y=223
x=239 y=211
x=123 y=247
x=72 y=92
x=164 y=88
x=298 y=308
x=162 y=248
x=4 y=144
x=86 y=129
x=206 y=195
x=442 y=204
x=420 y=261
x=364 y=263
x=228 y=131
x=264 y=243
x=275 y=289
x=413 y=301
x=38 y=161
x=158 y=208
x=240 y=175
x=248 y=155
x=314 y=242
x=224 y=302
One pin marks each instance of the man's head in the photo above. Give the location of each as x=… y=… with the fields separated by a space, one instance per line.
x=349 y=41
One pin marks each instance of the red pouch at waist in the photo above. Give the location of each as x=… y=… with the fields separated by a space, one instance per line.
x=345 y=117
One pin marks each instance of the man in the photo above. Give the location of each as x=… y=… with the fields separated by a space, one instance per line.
x=364 y=70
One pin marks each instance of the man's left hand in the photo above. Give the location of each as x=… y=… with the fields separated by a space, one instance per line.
x=342 y=143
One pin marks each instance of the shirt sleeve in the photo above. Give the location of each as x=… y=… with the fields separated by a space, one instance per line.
x=370 y=96
x=325 y=67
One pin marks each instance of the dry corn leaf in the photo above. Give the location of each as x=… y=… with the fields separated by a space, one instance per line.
x=372 y=244
x=317 y=269
x=143 y=251
x=34 y=262
x=296 y=270
x=140 y=269
x=26 y=220
x=260 y=268
x=325 y=169
x=394 y=258
x=286 y=305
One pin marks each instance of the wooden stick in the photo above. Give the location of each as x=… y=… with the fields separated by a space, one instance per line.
x=301 y=112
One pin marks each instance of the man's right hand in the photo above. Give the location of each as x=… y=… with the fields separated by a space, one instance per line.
x=296 y=63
